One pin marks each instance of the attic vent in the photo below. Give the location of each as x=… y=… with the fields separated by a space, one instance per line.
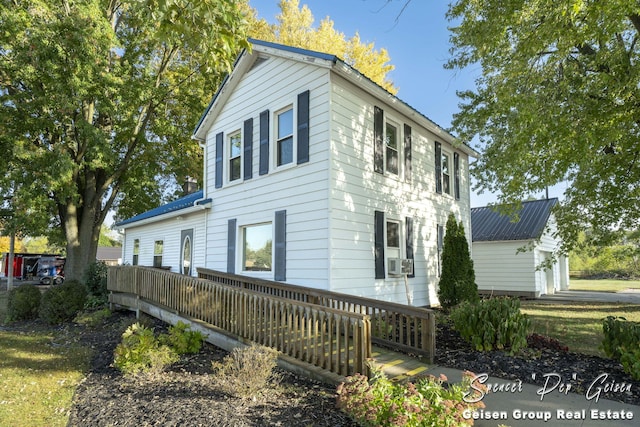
x=259 y=61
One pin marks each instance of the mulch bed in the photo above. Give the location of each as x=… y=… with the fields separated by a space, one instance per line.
x=186 y=394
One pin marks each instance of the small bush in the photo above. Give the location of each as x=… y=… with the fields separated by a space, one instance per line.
x=96 y=279
x=247 y=371
x=61 y=303
x=23 y=303
x=92 y=318
x=542 y=342
x=182 y=340
x=495 y=323
x=622 y=342
x=427 y=402
x=140 y=351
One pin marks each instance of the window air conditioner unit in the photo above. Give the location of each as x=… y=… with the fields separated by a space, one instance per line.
x=399 y=266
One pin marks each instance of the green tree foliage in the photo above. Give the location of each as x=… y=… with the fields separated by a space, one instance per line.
x=557 y=101
x=610 y=255
x=295 y=28
x=98 y=100
x=457 y=279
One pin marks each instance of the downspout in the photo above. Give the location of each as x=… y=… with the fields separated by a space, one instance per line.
x=203 y=145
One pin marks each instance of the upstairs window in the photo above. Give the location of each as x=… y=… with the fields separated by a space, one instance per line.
x=391 y=149
x=446 y=173
x=235 y=156
x=284 y=141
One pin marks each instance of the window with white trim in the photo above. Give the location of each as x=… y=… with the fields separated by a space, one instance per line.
x=257 y=247
x=393 y=239
x=235 y=156
x=158 y=248
x=392 y=152
x=284 y=137
x=446 y=173
x=136 y=252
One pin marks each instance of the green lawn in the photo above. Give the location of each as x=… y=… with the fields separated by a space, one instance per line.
x=603 y=285
x=39 y=371
x=576 y=325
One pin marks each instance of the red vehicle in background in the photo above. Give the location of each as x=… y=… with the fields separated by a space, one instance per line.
x=46 y=268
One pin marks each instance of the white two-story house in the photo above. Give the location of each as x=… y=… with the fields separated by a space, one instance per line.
x=314 y=176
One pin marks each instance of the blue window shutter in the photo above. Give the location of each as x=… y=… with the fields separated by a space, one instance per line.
x=456 y=173
x=231 y=246
x=407 y=153
x=379 y=244
x=409 y=237
x=378 y=139
x=280 y=247
x=248 y=149
x=303 y=127
x=264 y=142
x=438 y=156
x=219 y=158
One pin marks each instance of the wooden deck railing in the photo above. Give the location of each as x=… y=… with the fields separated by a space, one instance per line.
x=402 y=327
x=331 y=339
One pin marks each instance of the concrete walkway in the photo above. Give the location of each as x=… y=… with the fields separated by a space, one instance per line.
x=630 y=296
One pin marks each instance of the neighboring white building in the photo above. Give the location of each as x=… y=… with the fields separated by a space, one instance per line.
x=314 y=176
x=507 y=255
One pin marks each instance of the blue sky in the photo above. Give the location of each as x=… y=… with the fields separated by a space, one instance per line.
x=418 y=43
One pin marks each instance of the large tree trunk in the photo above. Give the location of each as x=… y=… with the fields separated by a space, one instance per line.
x=82 y=231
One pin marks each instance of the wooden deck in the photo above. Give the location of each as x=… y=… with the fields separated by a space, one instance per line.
x=319 y=340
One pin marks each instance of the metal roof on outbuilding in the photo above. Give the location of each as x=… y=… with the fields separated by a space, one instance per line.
x=179 y=204
x=488 y=225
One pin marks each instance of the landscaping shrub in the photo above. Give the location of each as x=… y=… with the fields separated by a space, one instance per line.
x=140 y=351
x=495 y=323
x=427 y=402
x=23 y=303
x=61 y=303
x=541 y=342
x=95 y=278
x=246 y=371
x=622 y=342
x=182 y=340
x=92 y=318
x=457 y=279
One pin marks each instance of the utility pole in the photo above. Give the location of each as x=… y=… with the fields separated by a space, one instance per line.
x=12 y=247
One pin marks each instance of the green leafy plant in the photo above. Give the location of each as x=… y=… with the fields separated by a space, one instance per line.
x=141 y=352
x=495 y=323
x=425 y=402
x=622 y=342
x=23 y=303
x=183 y=340
x=245 y=372
x=95 y=277
x=458 y=279
x=61 y=303
x=92 y=318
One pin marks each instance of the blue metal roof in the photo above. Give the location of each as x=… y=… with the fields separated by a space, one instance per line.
x=487 y=225
x=179 y=204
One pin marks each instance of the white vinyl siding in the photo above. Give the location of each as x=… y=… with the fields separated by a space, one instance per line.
x=301 y=190
x=357 y=191
x=169 y=231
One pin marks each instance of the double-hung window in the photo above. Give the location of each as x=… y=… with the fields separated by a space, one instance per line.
x=235 y=156
x=391 y=149
x=393 y=239
x=446 y=173
x=136 y=252
x=157 y=253
x=284 y=140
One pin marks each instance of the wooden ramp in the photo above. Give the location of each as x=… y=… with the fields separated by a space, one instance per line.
x=324 y=335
